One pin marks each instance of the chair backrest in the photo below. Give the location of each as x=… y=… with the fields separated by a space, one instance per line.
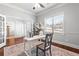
x=48 y=40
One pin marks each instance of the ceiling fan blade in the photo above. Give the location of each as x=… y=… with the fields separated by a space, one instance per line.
x=42 y=5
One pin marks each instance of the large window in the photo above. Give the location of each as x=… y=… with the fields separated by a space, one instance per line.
x=55 y=23
x=59 y=23
x=16 y=28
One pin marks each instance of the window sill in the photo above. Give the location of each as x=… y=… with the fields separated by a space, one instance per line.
x=58 y=32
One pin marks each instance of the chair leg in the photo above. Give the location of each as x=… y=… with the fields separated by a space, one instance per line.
x=50 y=52
x=36 y=51
x=44 y=53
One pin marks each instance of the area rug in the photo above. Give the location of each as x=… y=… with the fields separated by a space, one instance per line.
x=56 y=51
x=33 y=52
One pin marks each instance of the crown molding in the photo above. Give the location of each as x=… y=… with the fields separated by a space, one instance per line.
x=51 y=8
x=18 y=8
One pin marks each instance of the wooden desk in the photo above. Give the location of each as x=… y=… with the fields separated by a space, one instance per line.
x=36 y=37
x=1 y=51
x=14 y=40
x=31 y=42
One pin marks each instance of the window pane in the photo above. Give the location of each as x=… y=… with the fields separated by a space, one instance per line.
x=59 y=23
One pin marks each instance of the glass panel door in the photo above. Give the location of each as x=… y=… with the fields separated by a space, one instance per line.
x=2 y=29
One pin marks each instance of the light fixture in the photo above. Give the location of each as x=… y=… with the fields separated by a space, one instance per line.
x=38 y=5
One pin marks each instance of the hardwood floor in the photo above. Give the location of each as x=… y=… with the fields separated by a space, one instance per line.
x=66 y=47
x=56 y=51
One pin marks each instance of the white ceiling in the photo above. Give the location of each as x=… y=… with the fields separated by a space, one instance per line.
x=29 y=6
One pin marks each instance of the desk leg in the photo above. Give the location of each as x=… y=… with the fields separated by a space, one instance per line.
x=25 y=50
x=30 y=47
x=28 y=50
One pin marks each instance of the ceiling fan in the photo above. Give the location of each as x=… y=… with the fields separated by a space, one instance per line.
x=37 y=5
